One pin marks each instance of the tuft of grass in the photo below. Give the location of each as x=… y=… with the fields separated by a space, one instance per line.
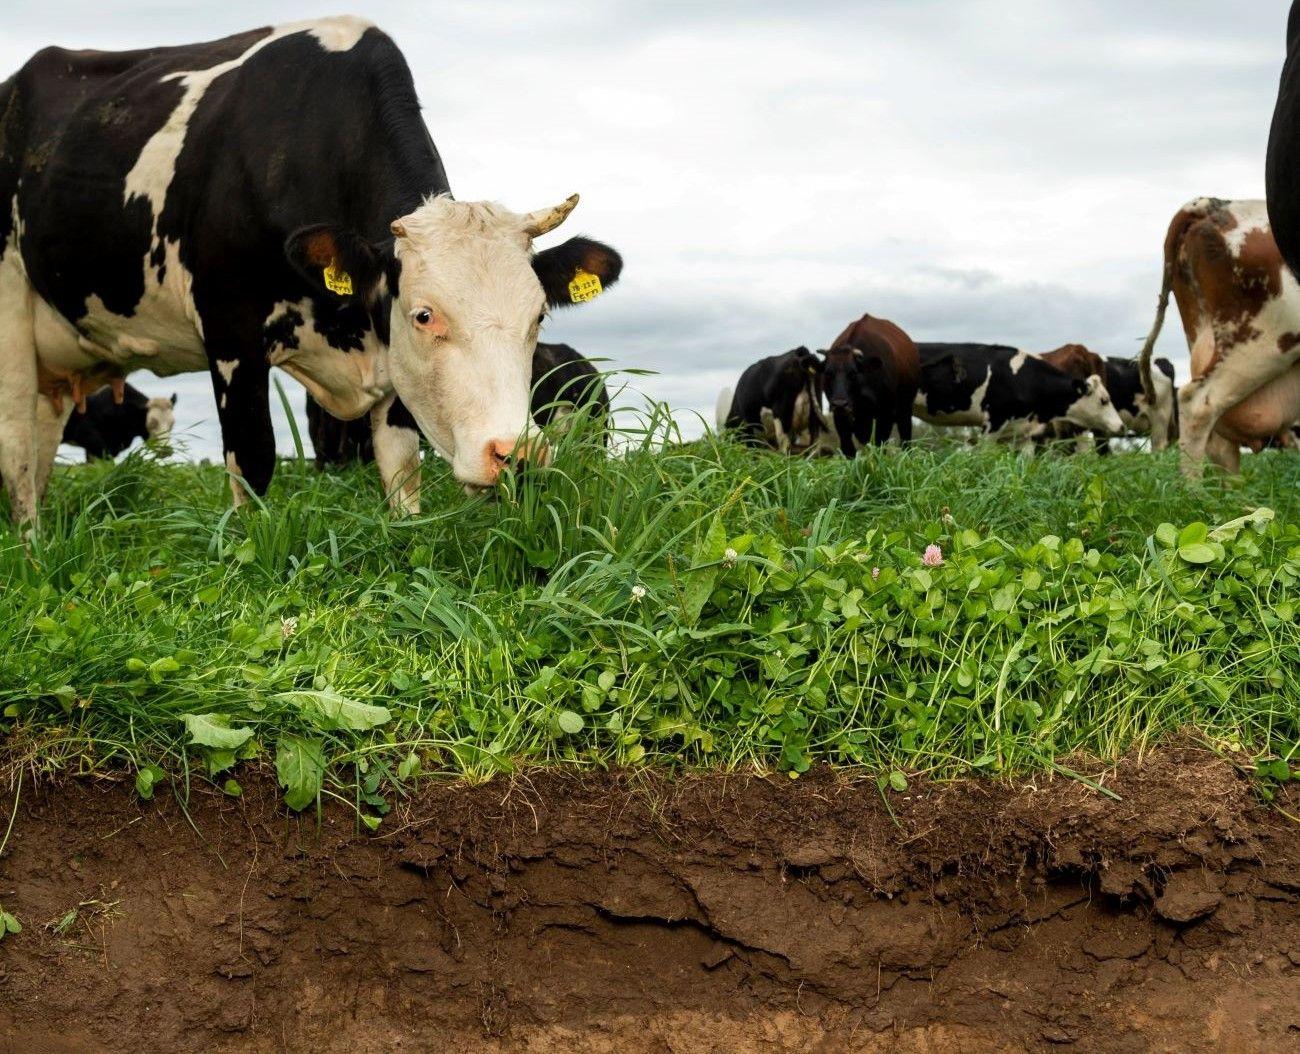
x=680 y=603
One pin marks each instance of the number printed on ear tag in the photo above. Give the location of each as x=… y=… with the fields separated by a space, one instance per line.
x=584 y=287
x=338 y=281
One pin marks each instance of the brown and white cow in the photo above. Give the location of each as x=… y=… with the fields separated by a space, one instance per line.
x=1240 y=307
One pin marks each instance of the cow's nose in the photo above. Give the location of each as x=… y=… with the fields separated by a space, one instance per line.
x=516 y=454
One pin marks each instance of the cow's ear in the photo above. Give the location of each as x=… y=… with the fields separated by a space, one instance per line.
x=577 y=270
x=336 y=261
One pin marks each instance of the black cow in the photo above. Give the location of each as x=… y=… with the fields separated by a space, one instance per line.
x=106 y=427
x=271 y=198
x=338 y=442
x=777 y=401
x=563 y=381
x=1007 y=392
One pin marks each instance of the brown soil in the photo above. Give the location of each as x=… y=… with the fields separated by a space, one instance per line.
x=628 y=913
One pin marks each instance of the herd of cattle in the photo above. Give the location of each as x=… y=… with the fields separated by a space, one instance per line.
x=275 y=199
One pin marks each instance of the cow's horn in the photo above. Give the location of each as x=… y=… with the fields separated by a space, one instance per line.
x=543 y=220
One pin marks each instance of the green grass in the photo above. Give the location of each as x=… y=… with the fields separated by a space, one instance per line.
x=688 y=604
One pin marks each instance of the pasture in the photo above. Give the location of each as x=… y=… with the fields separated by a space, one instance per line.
x=693 y=604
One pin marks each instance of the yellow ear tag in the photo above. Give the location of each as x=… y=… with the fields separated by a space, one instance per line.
x=337 y=281
x=584 y=287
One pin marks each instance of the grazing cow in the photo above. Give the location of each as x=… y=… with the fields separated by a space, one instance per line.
x=777 y=400
x=1123 y=383
x=870 y=381
x=562 y=381
x=1007 y=392
x=104 y=426
x=271 y=198
x=1240 y=307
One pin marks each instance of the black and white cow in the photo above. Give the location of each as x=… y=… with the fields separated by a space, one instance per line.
x=777 y=401
x=106 y=427
x=1007 y=392
x=563 y=382
x=1124 y=382
x=271 y=198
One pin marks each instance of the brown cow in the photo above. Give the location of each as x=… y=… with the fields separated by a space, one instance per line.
x=871 y=378
x=1077 y=361
x=1240 y=307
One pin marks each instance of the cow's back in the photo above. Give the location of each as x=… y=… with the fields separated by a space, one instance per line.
x=1076 y=360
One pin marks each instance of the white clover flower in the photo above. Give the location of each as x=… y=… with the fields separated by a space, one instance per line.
x=638 y=591
x=288 y=627
x=730 y=557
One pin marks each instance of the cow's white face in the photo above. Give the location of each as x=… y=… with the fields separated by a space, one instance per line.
x=1093 y=408
x=464 y=323
x=467 y=297
x=160 y=417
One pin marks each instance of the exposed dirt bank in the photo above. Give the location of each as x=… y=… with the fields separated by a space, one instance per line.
x=606 y=913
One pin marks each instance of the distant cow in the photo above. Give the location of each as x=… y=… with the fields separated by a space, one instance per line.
x=106 y=427
x=777 y=400
x=870 y=381
x=1140 y=415
x=1240 y=307
x=338 y=442
x=1123 y=383
x=563 y=380
x=1007 y=392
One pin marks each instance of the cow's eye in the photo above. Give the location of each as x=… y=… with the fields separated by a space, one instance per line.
x=427 y=320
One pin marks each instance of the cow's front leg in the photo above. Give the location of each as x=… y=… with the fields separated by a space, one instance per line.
x=240 y=384
x=18 y=452
x=1224 y=453
x=782 y=436
x=904 y=425
x=397 y=454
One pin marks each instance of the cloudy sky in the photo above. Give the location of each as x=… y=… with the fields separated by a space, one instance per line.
x=997 y=170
